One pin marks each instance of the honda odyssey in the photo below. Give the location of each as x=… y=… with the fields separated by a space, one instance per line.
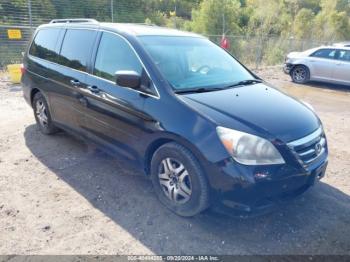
x=205 y=129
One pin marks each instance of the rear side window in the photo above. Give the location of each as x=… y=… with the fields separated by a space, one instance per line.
x=115 y=54
x=76 y=48
x=44 y=44
x=325 y=53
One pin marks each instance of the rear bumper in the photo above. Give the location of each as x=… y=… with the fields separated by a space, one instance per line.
x=25 y=82
x=248 y=196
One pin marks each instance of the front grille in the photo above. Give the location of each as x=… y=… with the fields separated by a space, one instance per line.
x=309 y=148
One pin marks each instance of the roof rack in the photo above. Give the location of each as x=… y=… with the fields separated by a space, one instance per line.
x=73 y=20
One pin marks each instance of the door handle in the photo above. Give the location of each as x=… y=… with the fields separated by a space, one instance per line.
x=75 y=82
x=93 y=89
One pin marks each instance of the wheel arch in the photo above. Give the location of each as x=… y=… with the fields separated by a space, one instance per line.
x=299 y=64
x=32 y=94
x=307 y=70
x=168 y=138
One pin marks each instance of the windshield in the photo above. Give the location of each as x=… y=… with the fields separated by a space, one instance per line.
x=193 y=62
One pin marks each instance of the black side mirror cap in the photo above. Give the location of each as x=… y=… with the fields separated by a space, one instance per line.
x=129 y=79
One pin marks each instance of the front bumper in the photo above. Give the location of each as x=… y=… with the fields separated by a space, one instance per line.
x=247 y=190
x=287 y=68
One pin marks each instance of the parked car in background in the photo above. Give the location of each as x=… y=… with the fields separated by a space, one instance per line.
x=325 y=63
x=205 y=129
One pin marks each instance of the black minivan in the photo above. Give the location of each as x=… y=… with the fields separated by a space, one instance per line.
x=205 y=129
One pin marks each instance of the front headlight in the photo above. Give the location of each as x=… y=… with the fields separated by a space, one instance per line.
x=248 y=149
x=287 y=60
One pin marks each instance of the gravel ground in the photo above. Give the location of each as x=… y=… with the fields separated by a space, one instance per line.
x=61 y=196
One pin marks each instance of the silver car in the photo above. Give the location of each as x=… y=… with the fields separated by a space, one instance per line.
x=325 y=63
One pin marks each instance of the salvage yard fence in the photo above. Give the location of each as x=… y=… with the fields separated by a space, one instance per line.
x=18 y=20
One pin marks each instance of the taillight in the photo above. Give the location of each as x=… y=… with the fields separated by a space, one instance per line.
x=23 y=69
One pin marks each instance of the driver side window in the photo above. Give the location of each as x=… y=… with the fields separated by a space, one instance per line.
x=325 y=53
x=115 y=54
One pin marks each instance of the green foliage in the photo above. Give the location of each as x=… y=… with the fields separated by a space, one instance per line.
x=15 y=11
x=319 y=19
x=331 y=23
x=217 y=17
x=274 y=54
x=269 y=17
x=266 y=28
x=304 y=24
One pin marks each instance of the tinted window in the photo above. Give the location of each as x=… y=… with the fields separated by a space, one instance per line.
x=325 y=53
x=344 y=55
x=76 y=48
x=115 y=54
x=44 y=44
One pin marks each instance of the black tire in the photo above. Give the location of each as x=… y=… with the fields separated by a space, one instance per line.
x=198 y=199
x=46 y=127
x=300 y=74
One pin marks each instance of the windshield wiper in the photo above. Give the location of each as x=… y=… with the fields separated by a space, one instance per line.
x=210 y=89
x=244 y=83
x=197 y=90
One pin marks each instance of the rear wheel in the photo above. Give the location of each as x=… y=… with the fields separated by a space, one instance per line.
x=179 y=181
x=300 y=74
x=42 y=115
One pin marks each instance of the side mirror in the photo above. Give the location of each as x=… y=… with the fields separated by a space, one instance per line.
x=129 y=79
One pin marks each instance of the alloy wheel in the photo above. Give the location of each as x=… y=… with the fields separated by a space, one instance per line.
x=41 y=113
x=299 y=74
x=175 y=180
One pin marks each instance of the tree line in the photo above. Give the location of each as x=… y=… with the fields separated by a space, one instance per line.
x=314 y=19
x=261 y=32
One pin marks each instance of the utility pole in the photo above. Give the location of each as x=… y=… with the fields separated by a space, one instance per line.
x=223 y=23
x=112 y=11
x=175 y=14
x=30 y=14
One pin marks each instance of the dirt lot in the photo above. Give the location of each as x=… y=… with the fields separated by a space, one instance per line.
x=60 y=196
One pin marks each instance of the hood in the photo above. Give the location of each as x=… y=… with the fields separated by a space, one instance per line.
x=258 y=109
x=295 y=55
x=305 y=53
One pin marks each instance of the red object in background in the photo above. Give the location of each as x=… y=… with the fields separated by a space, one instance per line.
x=225 y=43
x=23 y=69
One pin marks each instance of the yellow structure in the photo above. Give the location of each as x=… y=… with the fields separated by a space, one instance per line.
x=14 y=34
x=15 y=73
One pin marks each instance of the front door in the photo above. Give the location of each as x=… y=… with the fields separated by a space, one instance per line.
x=322 y=64
x=113 y=115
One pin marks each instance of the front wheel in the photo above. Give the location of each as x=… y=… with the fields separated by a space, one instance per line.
x=300 y=74
x=179 y=181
